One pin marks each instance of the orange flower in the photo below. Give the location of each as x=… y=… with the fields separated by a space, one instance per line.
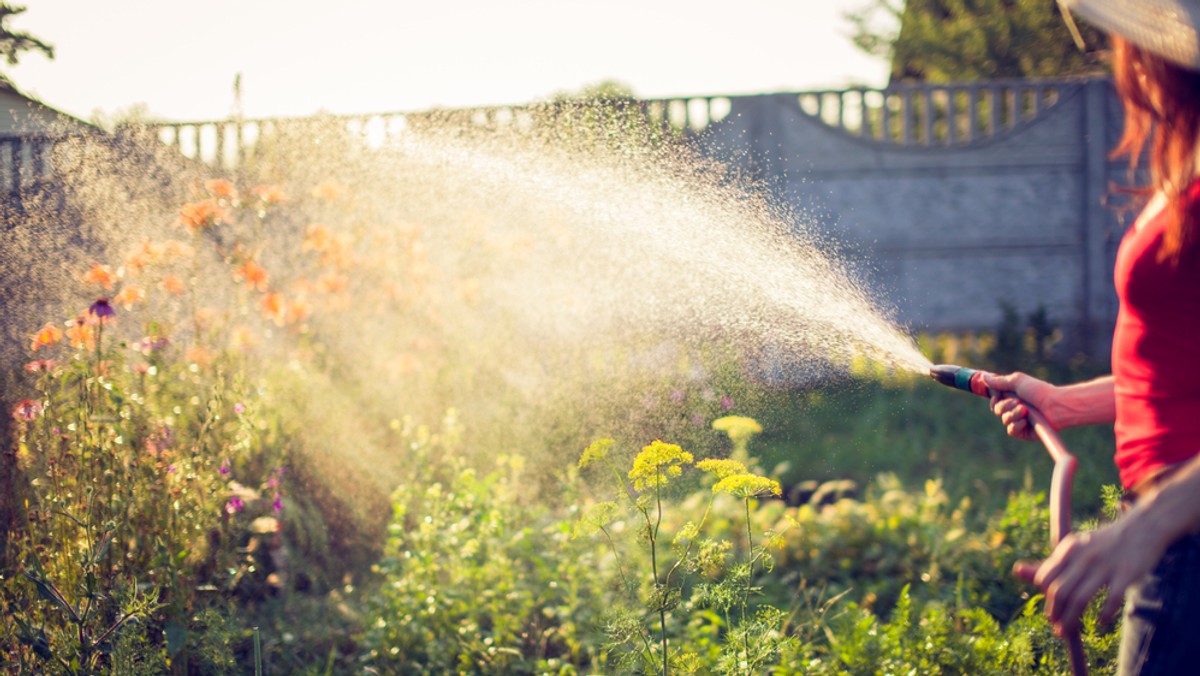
x=47 y=336
x=274 y=307
x=316 y=238
x=135 y=263
x=269 y=194
x=298 y=311
x=332 y=283
x=143 y=255
x=200 y=216
x=175 y=249
x=221 y=189
x=173 y=285
x=129 y=296
x=404 y=363
x=198 y=356
x=253 y=274
x=339 y=255
x=81 y=335
x=241 y=338
x=100 y=275
x=330 y=190
x=204 y=317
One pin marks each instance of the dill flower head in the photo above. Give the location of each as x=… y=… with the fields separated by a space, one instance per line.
x=720 y=467
x=597 y=451
x=596 y=517
x=739 y=428
x=656 y=463
x=747 y=485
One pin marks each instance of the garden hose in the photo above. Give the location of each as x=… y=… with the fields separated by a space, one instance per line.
x=972 y=381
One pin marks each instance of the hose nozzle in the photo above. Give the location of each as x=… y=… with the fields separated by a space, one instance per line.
x=961 y=378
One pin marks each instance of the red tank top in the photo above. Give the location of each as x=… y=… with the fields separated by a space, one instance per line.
x=1156 y=352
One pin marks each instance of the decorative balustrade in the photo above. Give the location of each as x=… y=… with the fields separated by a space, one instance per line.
x=935 y=115
x=905 y=115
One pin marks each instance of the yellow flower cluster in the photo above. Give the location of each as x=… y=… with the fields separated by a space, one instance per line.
x=657 y=463
x=596 y=517
x=597 y=451
x=747 y=485
x=738 y=427
x=720 y=467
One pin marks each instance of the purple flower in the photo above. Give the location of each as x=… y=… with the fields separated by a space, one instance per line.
x=277 y=503
x=726 y=402
x=170 y=469
x=28 y=410
x=151 y=344
x=101 y=310
x=224 y=468
x=239 y=409
x=234 y=505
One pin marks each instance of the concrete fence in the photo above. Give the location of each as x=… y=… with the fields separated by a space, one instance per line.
x=952 y=201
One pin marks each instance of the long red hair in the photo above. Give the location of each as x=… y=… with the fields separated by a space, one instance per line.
x=1162 y=109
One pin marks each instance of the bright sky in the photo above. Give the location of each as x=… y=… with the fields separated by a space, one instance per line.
x=299 y=57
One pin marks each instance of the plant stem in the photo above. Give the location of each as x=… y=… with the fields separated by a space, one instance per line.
x=662 y=611
x=749 y=577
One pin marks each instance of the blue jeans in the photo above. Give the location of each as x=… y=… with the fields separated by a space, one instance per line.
x=1160 y=633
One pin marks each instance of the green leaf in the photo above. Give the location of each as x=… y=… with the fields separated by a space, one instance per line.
x=102 y=546
x=47 y=591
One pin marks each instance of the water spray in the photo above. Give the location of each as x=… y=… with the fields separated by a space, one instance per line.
x=973 y=381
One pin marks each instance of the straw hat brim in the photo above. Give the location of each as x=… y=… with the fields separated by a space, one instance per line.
x=1167 y=28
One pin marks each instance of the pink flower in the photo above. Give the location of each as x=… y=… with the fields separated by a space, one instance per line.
x=38 y=365
x=677 y=396
x=277 y=503
x=224 y=468
x=726 y=402
x=28 y=410
x=239 y=409
x=234 y=505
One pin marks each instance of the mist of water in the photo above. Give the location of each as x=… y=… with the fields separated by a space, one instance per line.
x=494 y=271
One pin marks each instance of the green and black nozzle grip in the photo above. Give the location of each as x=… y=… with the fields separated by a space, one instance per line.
x=961 y=378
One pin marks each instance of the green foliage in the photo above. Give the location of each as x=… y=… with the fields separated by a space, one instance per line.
x=478 y=579
x=906 y=581
x=966 y=40
x=14 y=43
x=874 y=422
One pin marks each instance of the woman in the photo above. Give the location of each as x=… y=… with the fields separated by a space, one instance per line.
x=1151 y=554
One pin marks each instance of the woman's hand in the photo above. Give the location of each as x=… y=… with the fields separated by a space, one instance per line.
x=1089 y=403
x=1112 y=558
x=1011 y=392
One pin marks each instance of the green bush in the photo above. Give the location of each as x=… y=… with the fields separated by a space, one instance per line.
x=478 y=578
